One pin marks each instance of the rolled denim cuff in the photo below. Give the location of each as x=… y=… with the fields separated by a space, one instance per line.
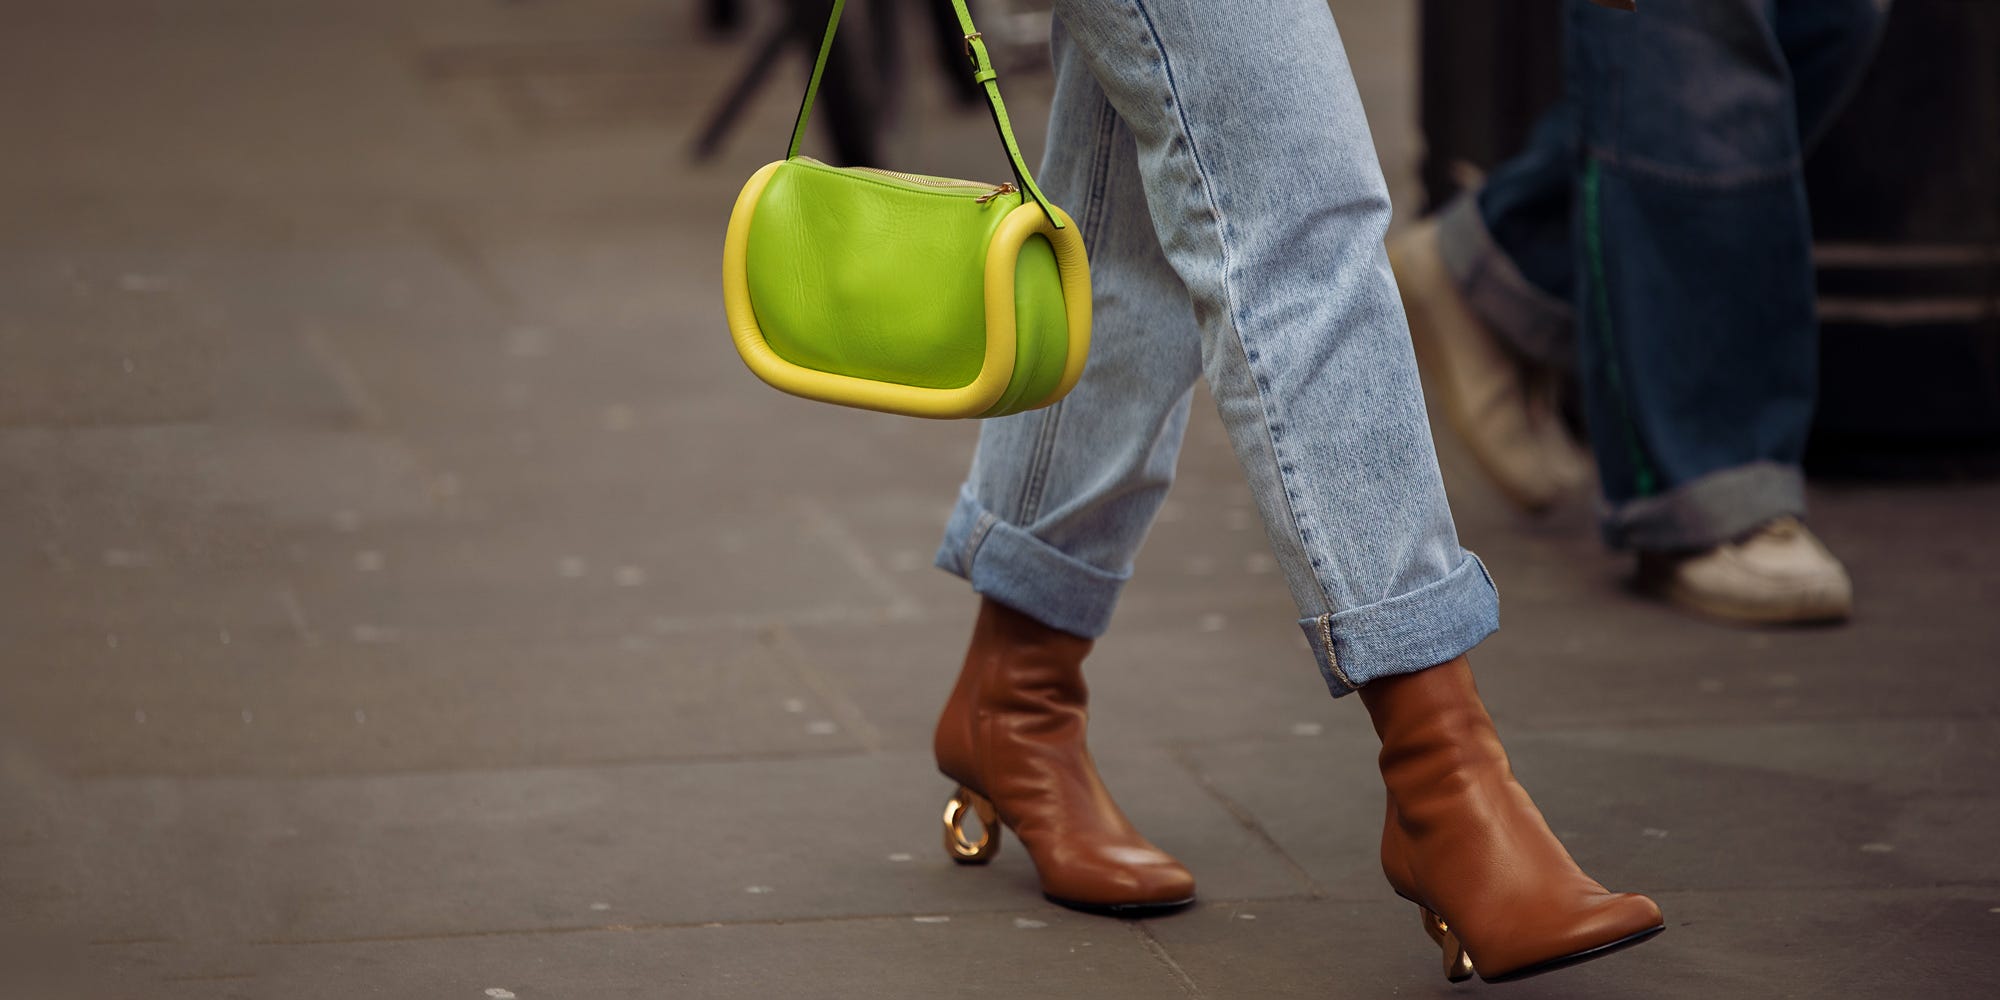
x=1407 y=633
x=1023 y=572
x=1717 y=508
x=1529 y=321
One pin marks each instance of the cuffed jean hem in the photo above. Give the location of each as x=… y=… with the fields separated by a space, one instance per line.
x=1530 y=321
x=1717 y=508
x=1402 y=635
x=1023 y=572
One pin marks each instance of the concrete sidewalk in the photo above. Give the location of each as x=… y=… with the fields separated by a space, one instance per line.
x=405 y=592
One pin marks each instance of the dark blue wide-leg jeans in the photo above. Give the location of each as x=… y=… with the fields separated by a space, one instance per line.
x=1655 y=235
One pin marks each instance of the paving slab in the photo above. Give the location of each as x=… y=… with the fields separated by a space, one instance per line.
x=216 y=860
x=1029 y=953
x=1174 y=686
x=377 y=701
x=1663 y=810
x=1753 y=943
x=405 y=591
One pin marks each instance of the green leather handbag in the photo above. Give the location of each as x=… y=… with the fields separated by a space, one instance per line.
x=903 y=293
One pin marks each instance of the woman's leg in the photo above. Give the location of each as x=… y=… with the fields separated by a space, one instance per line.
x=1265 y=193
x=1046 y=527
x=1059 y=499
x=1268 y=205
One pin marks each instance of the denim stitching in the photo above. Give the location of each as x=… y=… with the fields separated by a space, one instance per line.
x=977 y=537
x=1272 y=423
x=1100 y=168
x=1039 y=461
x=1333 y=657
x=1034 y=481
x=1687 y=177
x=1613 y=153
x=1599 y=294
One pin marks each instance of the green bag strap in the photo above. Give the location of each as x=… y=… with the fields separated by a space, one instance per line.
x=982 y=72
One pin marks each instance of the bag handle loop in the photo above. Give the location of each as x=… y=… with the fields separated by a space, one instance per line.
x=983 y=73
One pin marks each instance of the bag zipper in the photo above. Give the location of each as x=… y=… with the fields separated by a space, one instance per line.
x=988 y=192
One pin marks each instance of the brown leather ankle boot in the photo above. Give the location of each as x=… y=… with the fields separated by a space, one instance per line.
x=1465 y=843
x=1012 y=737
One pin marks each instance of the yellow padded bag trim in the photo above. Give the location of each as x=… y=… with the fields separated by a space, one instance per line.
x=977 y=398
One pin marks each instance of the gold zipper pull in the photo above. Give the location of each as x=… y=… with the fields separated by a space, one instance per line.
x=1007 y=188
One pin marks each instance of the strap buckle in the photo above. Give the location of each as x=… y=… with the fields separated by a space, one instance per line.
x=969 y=39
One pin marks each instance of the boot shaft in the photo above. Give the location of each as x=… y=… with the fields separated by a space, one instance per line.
x=1433 y=727
x=1020 y=675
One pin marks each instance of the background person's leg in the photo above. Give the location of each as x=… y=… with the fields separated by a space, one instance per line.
x=1487 y=285
x=1696 y=301
x=1508 y=245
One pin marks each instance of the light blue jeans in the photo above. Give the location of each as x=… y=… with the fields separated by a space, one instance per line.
x=1218 y=163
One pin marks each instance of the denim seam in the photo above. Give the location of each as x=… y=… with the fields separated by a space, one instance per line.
x=1029 y=505
x=1712 y=181
x=1599 y=293
x=1100 y=168
x=1715 y=180
x=1035 y=481
x=1272 y=421
x=1332 y=655
x=977 y=537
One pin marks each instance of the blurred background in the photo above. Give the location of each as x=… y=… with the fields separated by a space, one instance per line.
x=405 y=591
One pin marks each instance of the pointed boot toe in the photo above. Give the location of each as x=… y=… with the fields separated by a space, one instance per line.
x=1603 y=924
x=1118 y=879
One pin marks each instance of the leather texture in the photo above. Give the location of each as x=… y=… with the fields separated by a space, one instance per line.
x=1041 y=330
x=1463 y=838
x=868 y=278
x=1013 y=731
x=895 y=280
x=915 y=295
x=983 y=74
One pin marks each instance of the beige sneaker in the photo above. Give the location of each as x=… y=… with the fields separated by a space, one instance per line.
x=1779 y=574
x=1501 y=406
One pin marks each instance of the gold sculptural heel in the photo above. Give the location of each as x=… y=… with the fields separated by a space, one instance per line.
x=1457 y=964
x=963 y=849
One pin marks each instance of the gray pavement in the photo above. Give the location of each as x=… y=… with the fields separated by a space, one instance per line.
x=405 y=592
